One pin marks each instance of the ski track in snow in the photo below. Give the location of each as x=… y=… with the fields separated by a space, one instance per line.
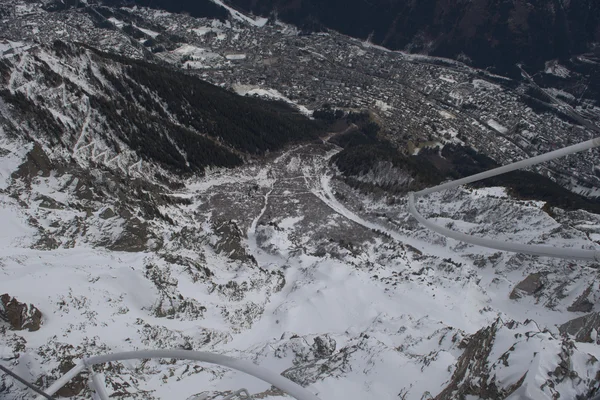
x=252 y=242
x=318 y=184
x=324 y=192
x=322 y=189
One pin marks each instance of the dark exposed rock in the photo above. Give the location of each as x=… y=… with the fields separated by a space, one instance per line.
x=84 y=188
x=50 y=203
x=582 y=304
x=67 y=356
x=581 y=328
x=107 y=213
x=76 y=385
x=269 y=393
x=135 y=237
x=529 y=286
x=337 y=364
x=46 y=242
x=230 y=241
x=36 y=164
x=20 y=316
x=324 y=346
x=471 y=376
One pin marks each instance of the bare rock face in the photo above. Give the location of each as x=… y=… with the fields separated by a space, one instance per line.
x=76 y=385
x=19 y=316
x=503 y=360
x=107 y=213
x=37 y=163
x=324 y=346
x=230 y=241
x=583 y=303
x=473 y=365
x=135 y=237
x=528 y=287
x=584 y=329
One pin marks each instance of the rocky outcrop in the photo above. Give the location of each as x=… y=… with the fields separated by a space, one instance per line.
x=583 y=303
x=230 y=241
x=107 y=213
x=528 y=287
x=471 y=376
x=36 y=164
x=135 y=237
x=584 y=329
x=324 y=346
x=50 y=203
x=314 y=369
x=20 y=316
x=520 y=360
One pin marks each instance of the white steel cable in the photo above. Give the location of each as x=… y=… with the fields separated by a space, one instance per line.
x=590 y=144
x=98 y=385
x=537 y=250
x=24 y=382
x=63 y=380
x=248 y=367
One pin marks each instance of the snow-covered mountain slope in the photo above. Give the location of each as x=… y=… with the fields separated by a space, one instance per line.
x=115 y=112
x=144 y=208
x=279 y=263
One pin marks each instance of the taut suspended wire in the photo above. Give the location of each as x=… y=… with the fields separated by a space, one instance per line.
x=24 y=382
x=537 y=250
